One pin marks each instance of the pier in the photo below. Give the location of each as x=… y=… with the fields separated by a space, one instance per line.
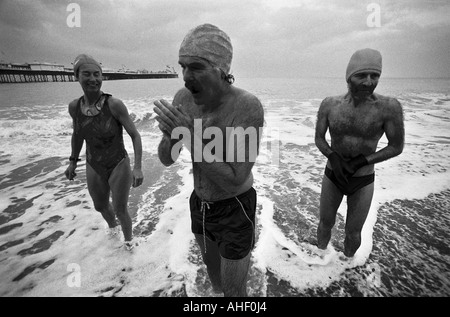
x=31 y=76
x=45 y=72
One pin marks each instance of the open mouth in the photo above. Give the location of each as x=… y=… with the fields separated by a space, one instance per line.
x=194 y=90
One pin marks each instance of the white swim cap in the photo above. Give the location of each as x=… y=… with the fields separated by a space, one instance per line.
x=209 y=42
x=363 y=60
x=83 y=59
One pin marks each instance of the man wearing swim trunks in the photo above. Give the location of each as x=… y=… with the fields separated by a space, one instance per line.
x=356 y=121
x=99 y=119
x=223 y=202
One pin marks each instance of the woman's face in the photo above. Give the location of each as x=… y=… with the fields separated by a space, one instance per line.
x=90 y=78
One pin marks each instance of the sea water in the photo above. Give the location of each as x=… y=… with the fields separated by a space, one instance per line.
x=54 y=243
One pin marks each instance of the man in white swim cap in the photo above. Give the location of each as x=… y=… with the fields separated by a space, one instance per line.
x=362 y=62
x=223 y=203
x=356 y=122
x=210 y=43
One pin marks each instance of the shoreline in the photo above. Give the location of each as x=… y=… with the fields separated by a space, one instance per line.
x=13 y=227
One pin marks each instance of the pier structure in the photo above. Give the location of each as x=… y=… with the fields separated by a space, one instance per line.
x=46 y=72
x=31 y=76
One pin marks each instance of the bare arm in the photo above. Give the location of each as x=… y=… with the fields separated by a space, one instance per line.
x=76 y=143
x=120 y=112
x=338 y=165
x=321 y=129
x=166 y=152
x=77 y=140
x=395 y=134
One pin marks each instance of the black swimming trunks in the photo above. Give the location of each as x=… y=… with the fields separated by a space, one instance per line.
x=355 y=183
x=104 y=139
x=229 y=222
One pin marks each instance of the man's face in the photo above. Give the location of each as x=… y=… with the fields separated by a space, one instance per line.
x=90 y=78
x=200 y=78
x=363 y=84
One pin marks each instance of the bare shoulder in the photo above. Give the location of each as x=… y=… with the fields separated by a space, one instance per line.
x=387 y=101
x=389 y=105
x=73 y=103
x=73 y=107
x=249 y=110
x=117 y=107
x=248 y=102
x=115 y=102
x=330 y=102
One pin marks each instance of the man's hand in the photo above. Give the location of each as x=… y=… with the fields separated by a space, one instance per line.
x=171 y=117
x=339 y=167
x=355 y=164
x=343 y=169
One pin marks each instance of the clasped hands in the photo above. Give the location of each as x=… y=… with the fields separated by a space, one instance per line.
x=170 y=117
x=344 y=169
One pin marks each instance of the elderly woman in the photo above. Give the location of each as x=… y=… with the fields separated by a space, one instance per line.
x=99 y=119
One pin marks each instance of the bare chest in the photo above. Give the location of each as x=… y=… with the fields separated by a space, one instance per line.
x=216 y=120
x=347 y=120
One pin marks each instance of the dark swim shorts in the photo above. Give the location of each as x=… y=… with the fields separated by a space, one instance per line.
x=229 y=222
x=355 y=183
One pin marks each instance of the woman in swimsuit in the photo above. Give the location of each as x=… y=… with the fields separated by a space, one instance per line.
x=99 y=119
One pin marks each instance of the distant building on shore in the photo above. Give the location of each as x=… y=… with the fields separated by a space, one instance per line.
x=46 y=66
x=6 y=65
x=33 y=66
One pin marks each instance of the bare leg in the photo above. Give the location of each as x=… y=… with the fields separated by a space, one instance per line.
x=211 y=260
x=330 y=199
x=99 y=191
x=357 y=210
x=120 y=183
x=234 y=276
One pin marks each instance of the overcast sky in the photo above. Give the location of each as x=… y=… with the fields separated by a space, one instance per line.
x=271 y=38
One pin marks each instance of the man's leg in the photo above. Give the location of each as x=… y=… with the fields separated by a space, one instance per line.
x=330 y=199
x=357 y=211
x=120 y=183
x=99 y=191
x=212 y=261
x=234 y=276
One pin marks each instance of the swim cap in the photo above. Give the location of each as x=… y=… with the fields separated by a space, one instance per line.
x=209 y=42
x=363 y=60
x=83 y=59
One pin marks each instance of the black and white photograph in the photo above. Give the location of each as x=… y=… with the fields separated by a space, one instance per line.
x=207 y=148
